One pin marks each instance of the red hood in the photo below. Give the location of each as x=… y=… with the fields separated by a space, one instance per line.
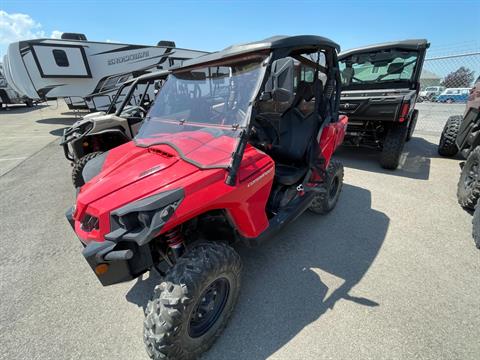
x=156 y=167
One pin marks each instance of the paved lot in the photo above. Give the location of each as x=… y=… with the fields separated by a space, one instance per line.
x=391 y=273
x=432 y=116
x=26 y=131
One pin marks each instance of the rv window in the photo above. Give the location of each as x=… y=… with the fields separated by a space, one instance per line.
x=60 y=58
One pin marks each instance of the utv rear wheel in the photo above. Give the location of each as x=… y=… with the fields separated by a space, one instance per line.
x=77 y=177
x=476 y=227
x=468 y=189
x=325 y=202
x=191 y=307
x=412 y=124
x=393 y=146
x=447 y=145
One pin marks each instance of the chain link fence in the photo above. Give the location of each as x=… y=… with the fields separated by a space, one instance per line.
x=445 y=86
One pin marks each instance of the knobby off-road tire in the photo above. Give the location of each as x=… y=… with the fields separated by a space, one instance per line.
x=171 y=326
x=447 y=145
x=412 y=124
x=468 y=188
x=476 y=227
x=325 y=202
x=393 y=146
x=77 y=177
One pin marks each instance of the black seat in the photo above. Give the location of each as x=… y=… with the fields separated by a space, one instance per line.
x=289 y=175
x=296 y=132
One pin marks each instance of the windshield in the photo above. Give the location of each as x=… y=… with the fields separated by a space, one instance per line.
x=377 y=68
x=201 y=112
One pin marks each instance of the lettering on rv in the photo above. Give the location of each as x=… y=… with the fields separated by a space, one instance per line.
x=126 y=58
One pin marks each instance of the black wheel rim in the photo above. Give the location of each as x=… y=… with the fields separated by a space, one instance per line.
x=334 y=188
x=471 y=175
x=209 y=307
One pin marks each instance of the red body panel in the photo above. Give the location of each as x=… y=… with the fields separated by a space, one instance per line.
x=332 y=136
x=131 y=173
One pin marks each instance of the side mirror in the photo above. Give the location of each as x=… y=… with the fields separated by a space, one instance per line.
x=280 y=84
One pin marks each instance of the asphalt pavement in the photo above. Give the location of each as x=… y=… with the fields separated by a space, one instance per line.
x=390 y=273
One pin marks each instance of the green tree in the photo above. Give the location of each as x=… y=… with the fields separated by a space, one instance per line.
x=463 y=77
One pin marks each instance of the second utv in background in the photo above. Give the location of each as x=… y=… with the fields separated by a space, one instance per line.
x=102 y=131
x=380 y=84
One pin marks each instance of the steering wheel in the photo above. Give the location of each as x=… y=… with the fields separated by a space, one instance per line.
x=267 y=121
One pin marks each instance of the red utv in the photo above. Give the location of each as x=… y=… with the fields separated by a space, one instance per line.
x=237 y=144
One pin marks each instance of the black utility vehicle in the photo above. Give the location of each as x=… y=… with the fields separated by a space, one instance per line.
x=380 y=84
x=468 y=189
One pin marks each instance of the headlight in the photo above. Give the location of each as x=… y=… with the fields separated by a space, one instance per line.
x=143 y=219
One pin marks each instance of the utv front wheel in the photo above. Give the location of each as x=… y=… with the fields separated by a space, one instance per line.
x=393 y=146
x=191 y=307
x=77 y=177
x=325 y=202
x=447 y=145
x=468 y=189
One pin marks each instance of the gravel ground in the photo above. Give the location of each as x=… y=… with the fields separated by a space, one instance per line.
x=391 y=273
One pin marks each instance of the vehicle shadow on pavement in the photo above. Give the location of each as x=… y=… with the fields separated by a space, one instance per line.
x=296 y=277
x=58 y=121
x=415 y=162
x=21 y=109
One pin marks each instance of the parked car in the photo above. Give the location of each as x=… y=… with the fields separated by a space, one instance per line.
x=448 y=140
x=430 y=93
x=380 y=84
x=454 y=95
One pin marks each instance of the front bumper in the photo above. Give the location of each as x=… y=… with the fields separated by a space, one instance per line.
x=113 y=262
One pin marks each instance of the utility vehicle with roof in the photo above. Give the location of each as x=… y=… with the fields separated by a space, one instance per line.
x=101 y=131
x=380 y=84
x=237 y=145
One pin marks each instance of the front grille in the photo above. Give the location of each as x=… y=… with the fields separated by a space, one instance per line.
x=89 y=223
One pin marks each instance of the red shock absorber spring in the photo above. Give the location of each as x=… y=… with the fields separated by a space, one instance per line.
x=174 y=239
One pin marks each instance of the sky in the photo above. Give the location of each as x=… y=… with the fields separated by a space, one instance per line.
x=450 y=26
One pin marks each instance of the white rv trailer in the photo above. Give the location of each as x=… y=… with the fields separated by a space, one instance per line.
x=8 y=95
x=75 y=68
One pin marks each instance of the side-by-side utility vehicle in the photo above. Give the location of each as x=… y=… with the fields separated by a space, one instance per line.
x=461 y=135
x=380 y=84
x=98 y=132
x=468 y=188
x=460 y=132
x=237 y=144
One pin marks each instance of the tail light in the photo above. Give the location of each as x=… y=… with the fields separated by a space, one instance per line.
x=404 y=112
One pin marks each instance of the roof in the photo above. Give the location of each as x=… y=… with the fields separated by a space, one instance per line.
x=411 y=44
x=274 y=42
x=152 y=75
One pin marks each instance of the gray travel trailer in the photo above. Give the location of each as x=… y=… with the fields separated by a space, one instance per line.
x=8 y=96
x=76 y=69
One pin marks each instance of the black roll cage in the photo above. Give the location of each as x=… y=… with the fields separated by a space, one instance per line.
x=331 y=94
